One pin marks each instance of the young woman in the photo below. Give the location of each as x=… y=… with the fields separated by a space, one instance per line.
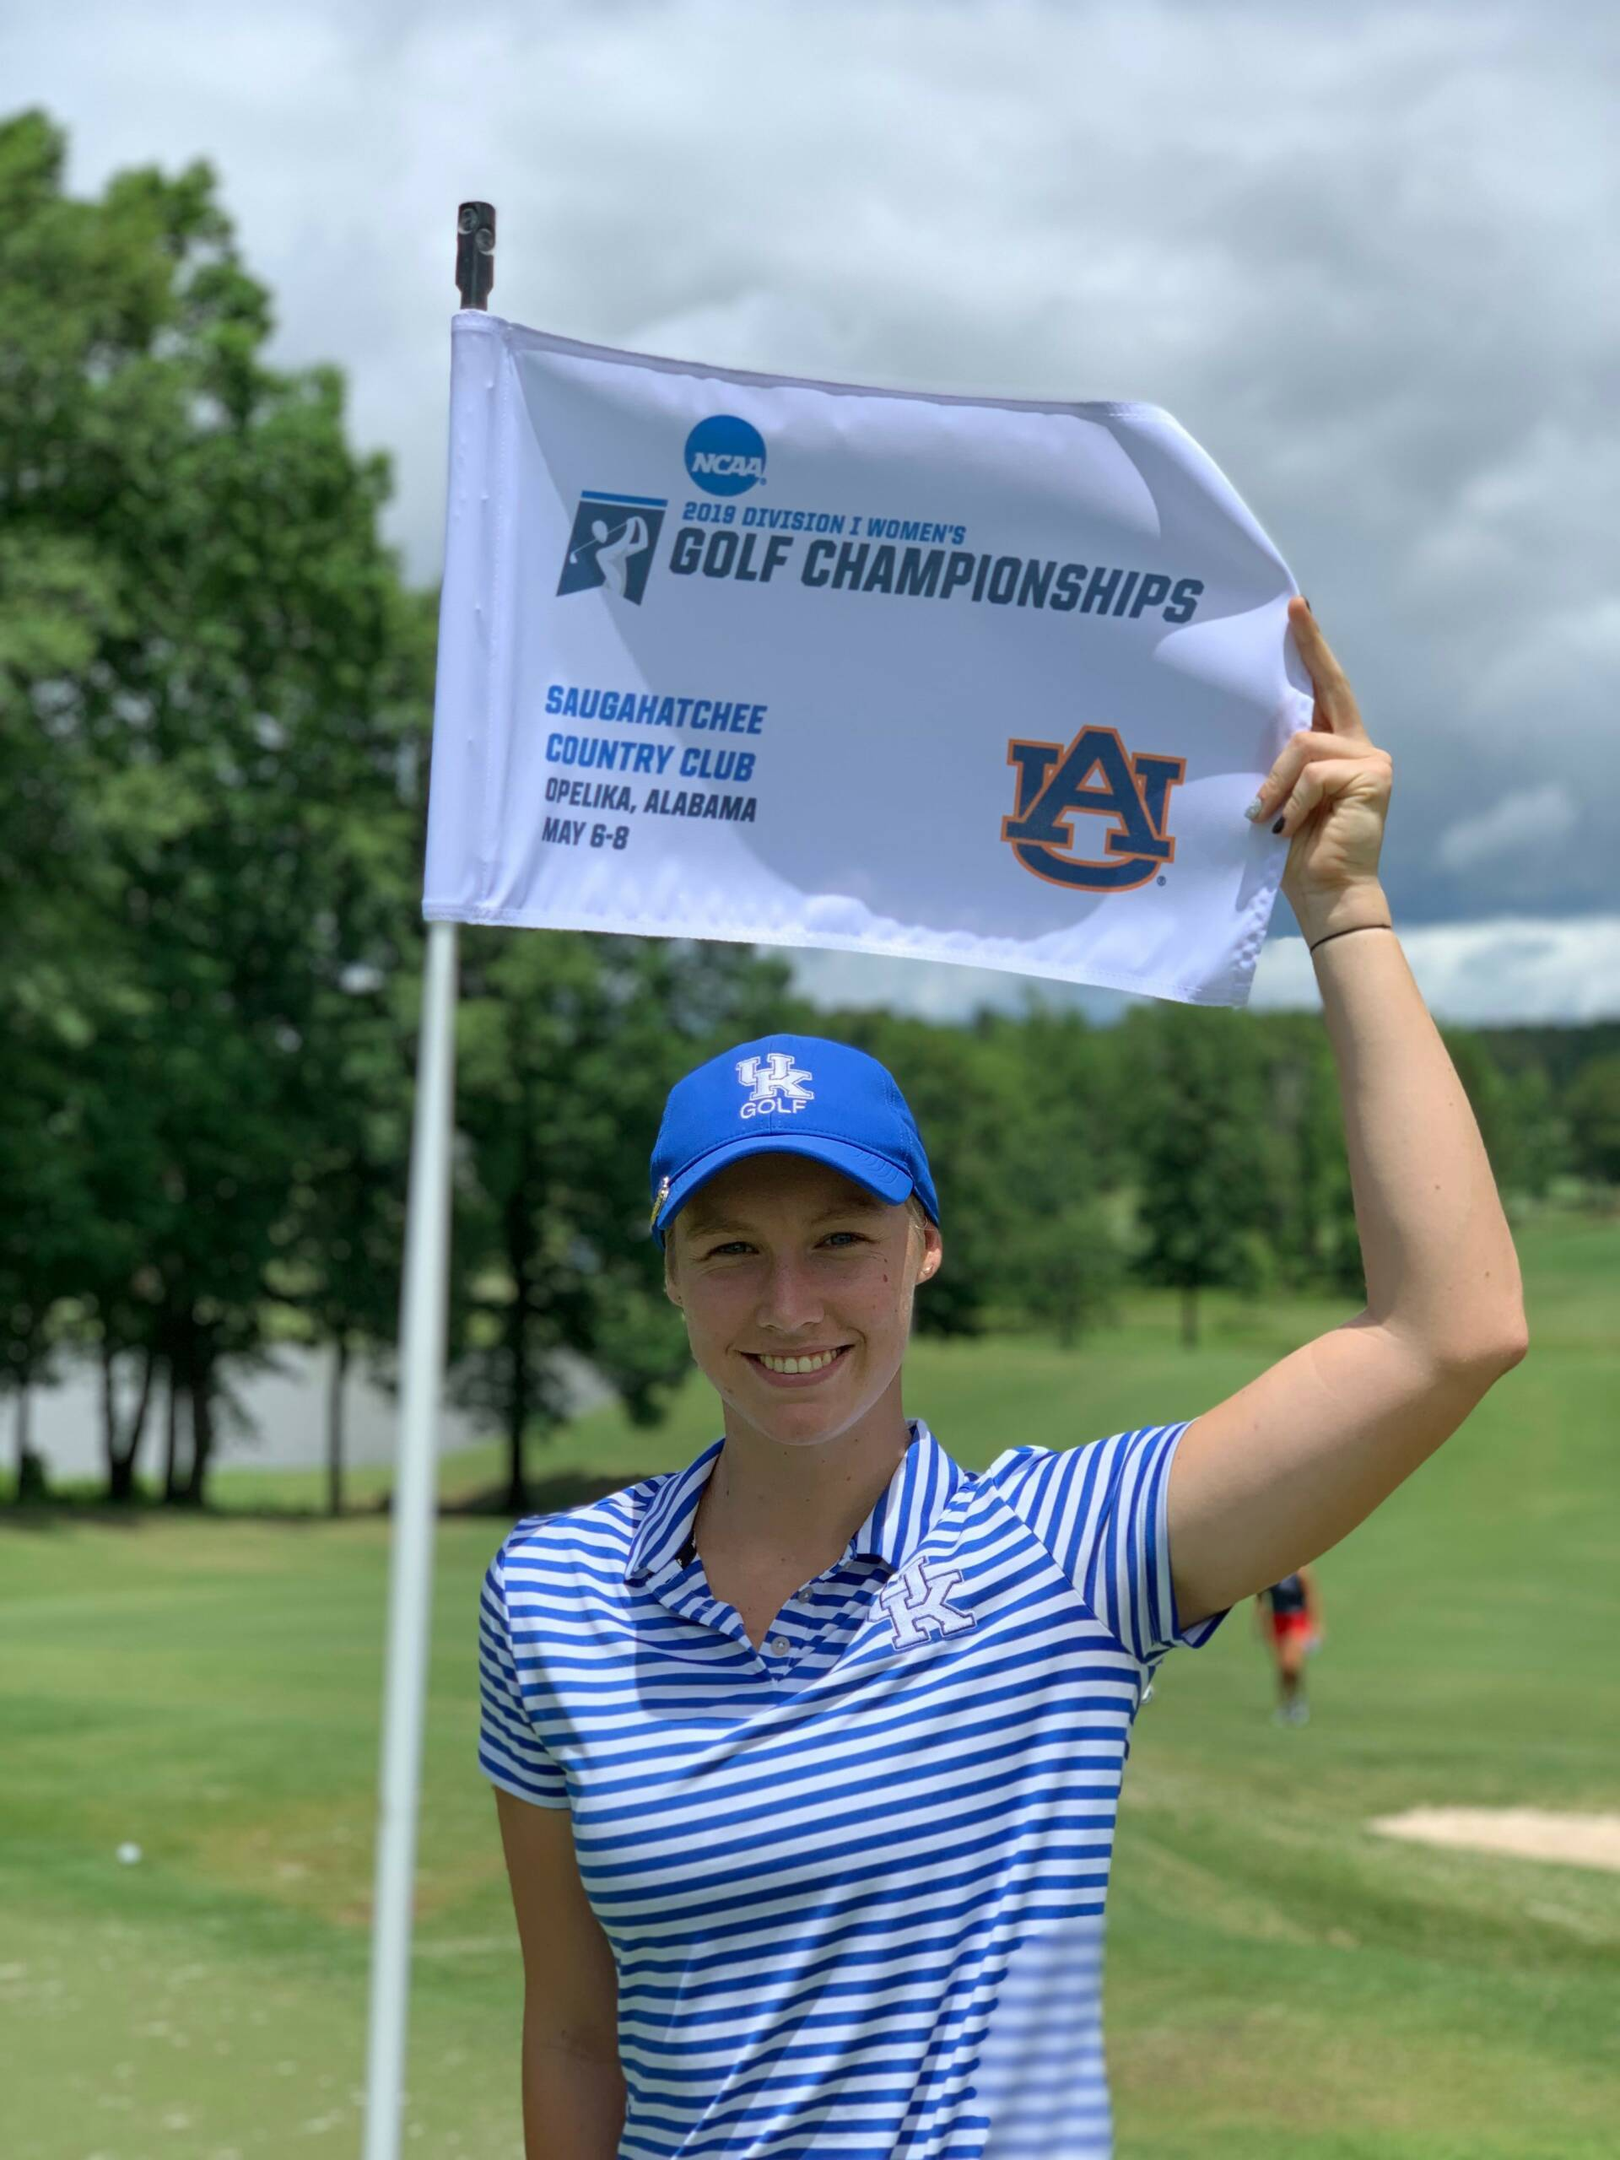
x=1289 y=1613
x=807 y=1755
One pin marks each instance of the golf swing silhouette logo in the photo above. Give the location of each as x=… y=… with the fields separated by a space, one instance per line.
x=612 y=544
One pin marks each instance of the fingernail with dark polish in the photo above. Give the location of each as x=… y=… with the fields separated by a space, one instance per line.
x=1278 y=826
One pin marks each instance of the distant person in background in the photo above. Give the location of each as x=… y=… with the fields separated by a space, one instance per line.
x=1290 y=1616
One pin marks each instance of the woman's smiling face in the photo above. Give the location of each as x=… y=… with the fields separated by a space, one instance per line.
x=797 y=1288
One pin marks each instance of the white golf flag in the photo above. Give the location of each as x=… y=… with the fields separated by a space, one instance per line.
x=739 y=656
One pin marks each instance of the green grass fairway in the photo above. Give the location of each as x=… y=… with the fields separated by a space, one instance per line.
x=1282 y=1985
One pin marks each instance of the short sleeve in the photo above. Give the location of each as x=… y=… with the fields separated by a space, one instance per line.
x=510 y=1752
x=1102 y=1512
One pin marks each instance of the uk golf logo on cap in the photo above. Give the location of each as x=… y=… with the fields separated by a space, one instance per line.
x=725 y=455
x=776 y=1086
x=612 y=544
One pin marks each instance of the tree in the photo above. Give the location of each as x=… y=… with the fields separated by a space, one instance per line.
x=1592 y=1105
x=1310 y=1216
x=1059 y=1167
x=343 y=1242
x=1541 y=1135
x=343 y=1238
x=213 y=714
x=54 y=604
x=44 y=1215
x=1202 y=1139
x=1063 y=1268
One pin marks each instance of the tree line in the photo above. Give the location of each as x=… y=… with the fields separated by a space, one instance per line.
x=215 y=693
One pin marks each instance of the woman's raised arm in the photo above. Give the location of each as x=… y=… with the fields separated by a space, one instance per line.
x=1284 y=1468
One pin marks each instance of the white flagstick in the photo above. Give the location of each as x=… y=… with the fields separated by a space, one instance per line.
x=424 y=1303
x=410 y=1592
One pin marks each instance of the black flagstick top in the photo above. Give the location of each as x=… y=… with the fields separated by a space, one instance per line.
x=475 y=253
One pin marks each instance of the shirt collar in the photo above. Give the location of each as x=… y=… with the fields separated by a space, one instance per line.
x=667 y=1524
x=907 y=1508
x=912 y=1501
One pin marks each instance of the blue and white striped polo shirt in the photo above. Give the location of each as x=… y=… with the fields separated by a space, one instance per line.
x=853 y=1880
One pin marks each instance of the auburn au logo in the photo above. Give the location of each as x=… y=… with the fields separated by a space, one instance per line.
x=1098 y=776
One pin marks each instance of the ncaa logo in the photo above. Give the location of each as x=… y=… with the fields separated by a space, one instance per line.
x=725 y=456
x=1094 y=776
x=776 y=1085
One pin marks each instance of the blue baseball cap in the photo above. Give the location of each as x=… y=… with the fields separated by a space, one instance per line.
x=788 y=1095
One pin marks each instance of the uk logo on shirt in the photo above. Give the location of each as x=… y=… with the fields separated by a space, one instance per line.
x=918 y=1604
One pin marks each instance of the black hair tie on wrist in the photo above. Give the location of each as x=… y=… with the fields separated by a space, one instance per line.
x=1354 y=927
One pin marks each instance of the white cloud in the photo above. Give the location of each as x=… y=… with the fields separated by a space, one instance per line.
x=1540 y=817
x=1481 y=973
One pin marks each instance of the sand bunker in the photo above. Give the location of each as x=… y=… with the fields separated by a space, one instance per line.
x=1526 y=1833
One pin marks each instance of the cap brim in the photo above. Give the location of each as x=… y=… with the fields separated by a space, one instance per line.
x=875 y=1172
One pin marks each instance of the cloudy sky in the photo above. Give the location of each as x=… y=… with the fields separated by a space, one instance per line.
x=1364 y=253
